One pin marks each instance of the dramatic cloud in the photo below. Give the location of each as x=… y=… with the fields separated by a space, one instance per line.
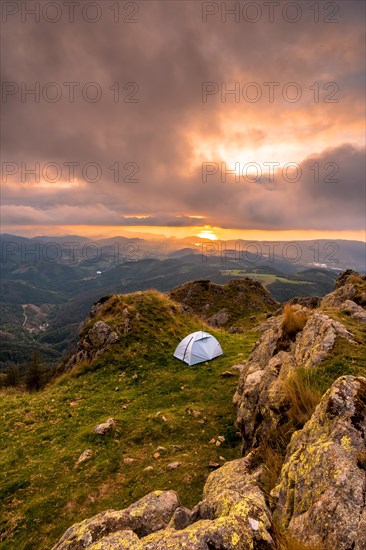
x=181 y=101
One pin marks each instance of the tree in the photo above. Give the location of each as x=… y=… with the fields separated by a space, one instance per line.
x=34 y=378
x=12 y=376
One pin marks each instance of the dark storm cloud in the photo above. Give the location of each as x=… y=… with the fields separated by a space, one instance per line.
x=168 y=54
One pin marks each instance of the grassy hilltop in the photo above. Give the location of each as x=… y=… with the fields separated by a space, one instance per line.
x=156 y=401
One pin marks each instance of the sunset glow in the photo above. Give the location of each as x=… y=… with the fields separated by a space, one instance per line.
x=262 y=141
x=207 y=234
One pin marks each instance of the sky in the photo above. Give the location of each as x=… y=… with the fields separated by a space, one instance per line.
x=179 y=118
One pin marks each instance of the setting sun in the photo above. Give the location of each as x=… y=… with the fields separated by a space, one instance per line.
x=207 y=234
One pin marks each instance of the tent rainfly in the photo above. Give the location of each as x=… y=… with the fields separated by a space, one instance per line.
x=198 y=347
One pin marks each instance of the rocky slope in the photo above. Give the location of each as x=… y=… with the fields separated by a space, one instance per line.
x=318 y=497
x=226 y=305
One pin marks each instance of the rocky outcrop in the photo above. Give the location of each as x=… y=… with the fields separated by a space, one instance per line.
x=317 y=338
x=93 y=343
x=232 y=516
x=353 y=279
x=224 y=305
x=310 y=302
x=343 y=278
x=336 y=298
x=219 y=319
x=357 y=312
x=151 y=513
x=349 y=295
x=321 y=492
x=260 y=399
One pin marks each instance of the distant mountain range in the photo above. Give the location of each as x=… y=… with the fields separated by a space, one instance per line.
x=49 y=283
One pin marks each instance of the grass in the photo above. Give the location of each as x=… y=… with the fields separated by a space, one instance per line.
x=285 y=542
x=303 y=391
x=44 y=433
x=265 y=278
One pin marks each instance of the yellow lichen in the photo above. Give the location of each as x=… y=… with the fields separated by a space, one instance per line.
x=346 y=443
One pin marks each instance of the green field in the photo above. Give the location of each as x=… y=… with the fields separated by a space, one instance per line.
x=265 y=278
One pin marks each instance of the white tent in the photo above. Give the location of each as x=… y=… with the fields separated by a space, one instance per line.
x=198 y=347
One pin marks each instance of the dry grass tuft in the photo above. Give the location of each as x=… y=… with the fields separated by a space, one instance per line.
x=293 y=322
x=283 y=541
x=303 y=396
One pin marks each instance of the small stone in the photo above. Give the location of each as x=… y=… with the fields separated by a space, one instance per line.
x=134 y=376
x=116 y=389
x=238 y=367
x=105 y=427
x=221 y=438
x=124 y=407
x=164 y=419
x=174 y=465
x=128 y=460
x=212 y=441
x=218 y=443
x=196 y=414
x=85 y=455
x=214 y=465
x=148 y=469
x=254 y=524
x=227 y=374
x=222 y=458
x=156 y=455
x=161 y=449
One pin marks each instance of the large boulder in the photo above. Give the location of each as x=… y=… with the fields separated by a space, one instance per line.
x=226 y=533
x=233 y=515
x=317 y=338
x=349 y=286
x=122 y=540
x=151 y=513
x=321 y=492
x=354 y=310
x=219 y=319
x=336 y=298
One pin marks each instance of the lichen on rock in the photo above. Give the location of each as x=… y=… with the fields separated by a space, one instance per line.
x=321 y=491
x=151 y=513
